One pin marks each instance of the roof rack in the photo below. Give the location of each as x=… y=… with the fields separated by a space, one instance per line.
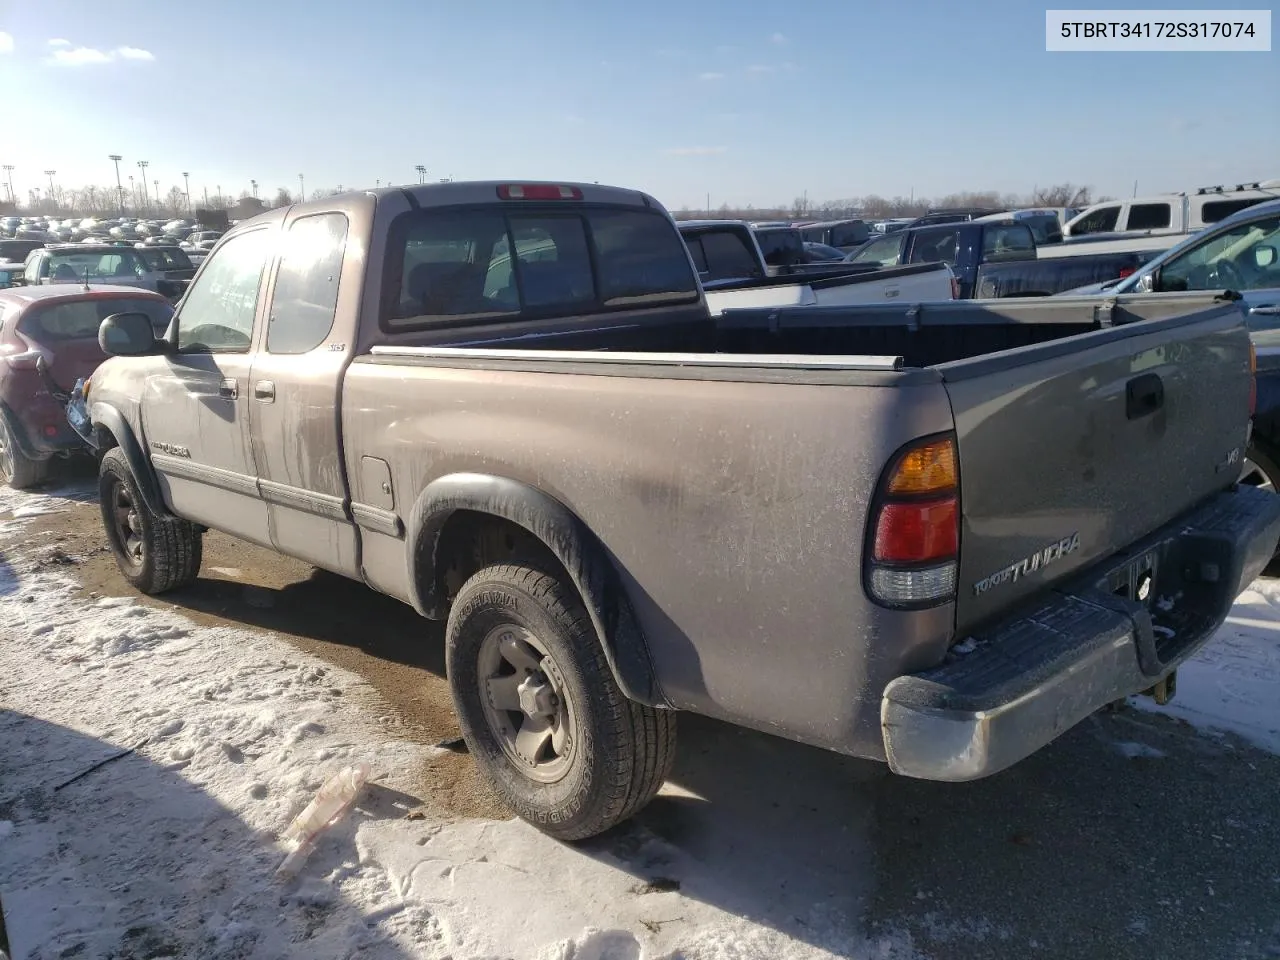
x=1239 y=187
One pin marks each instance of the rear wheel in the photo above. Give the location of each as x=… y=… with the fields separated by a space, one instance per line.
x=154 y=553
x=1260 y=469
x=540 y=710
x=16 y=468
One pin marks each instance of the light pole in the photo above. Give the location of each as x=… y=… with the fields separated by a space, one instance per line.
x=133 y=190
x=53 y=195
x=146 y=200
x=218 y=197
x=422 y=173
x=157 y=183
x=302 y=190
x=186 y=180
x=8 y=172
x=254 y=184
x=116 y=158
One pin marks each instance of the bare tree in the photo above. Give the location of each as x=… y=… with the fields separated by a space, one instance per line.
x=175 y=201
x=283 y=198
x=1062 y=195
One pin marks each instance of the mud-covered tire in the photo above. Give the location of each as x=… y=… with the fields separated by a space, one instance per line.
x=154 y=553
x=620 y=751
x=16 y=468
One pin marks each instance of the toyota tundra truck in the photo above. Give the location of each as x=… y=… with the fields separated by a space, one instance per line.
x=938 y=535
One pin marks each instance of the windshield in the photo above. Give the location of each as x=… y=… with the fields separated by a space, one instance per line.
x=120 y=263
x=1201 y=252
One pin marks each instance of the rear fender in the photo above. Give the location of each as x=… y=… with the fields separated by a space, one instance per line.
x=106 y=417
x=569 y=540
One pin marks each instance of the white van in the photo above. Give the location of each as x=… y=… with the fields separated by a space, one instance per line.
x=1170 y=213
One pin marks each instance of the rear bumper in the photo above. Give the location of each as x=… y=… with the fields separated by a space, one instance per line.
x=1084 y=645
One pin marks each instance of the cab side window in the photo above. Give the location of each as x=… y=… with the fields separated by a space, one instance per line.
x=1102 y=220
x=218 y=309
x=304 y=300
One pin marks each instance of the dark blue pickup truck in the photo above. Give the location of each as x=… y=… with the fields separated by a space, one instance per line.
x=997 y=258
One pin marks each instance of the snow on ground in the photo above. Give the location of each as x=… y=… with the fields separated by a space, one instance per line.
x=171 y=850
x=1233 y=684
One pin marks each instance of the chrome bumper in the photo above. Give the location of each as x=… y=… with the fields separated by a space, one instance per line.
x=1084 y=645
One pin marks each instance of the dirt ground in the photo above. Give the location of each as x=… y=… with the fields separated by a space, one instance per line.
x=384 y=641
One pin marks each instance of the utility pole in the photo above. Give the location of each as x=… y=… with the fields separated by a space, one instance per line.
x=302 y=189
x=186 y=179
x=53 y=193
x=8 y=171
x=422 y=173
x=146 y=200
x=116 y=158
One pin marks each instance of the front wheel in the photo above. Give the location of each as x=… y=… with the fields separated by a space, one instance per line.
x=155 y=553
x=540 y=710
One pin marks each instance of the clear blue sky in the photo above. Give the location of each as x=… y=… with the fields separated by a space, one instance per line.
x=752 y=102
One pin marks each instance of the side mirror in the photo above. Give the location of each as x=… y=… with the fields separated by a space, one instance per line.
x=127 y=335
x=1149 y=282
x=1264 y=257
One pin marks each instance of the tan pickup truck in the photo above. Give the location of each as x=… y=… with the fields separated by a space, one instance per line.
x=933 y=534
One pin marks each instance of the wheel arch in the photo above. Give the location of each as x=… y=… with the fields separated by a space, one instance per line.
x=459 y=498
x=108 y=419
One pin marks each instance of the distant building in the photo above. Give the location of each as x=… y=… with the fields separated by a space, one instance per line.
x=247 y=207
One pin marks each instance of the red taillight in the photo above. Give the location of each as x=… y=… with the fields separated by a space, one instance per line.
x=1128 y=272
x=913 y=552
x=538 y=191
x=918 y=531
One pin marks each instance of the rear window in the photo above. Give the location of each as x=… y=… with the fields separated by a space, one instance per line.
x=459 y=264
x=166 y=258
x=849 y=234
x=723 y=255
x=74 y=267
x=1217 y=210
x=80 y=319
x=1148 y=216
x=781 y=248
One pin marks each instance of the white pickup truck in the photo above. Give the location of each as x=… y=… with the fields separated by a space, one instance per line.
x=734 y=275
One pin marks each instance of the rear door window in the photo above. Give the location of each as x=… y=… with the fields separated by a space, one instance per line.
x=1007 y=242
x=724 y=254
x=1148 y=216
x=935 y=246
x=459 y=264
x=304 y=300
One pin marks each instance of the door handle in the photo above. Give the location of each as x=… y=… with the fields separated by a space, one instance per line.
x=1143 y=395
x=228 y=389
x=1265 y=310
x=264 y=390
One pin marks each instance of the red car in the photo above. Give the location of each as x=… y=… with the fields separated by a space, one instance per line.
x=49 y=340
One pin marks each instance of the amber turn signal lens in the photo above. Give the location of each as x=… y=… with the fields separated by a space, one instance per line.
x=927 y=469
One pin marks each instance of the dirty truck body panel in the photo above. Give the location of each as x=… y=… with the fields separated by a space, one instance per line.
x=725 y=472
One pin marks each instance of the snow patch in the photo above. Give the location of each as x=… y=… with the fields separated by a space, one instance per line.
x=1134 y=750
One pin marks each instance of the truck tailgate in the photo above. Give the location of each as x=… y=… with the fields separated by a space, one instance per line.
x=1072 y=450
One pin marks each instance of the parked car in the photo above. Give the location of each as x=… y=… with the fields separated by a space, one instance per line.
x=10 y=274
x=846 y=235
x=1173 y=213
x=996 y=258
x=16 y=251
x=1242 y=255
x=733 y=273
x=821 y=253
x=169 y=260
x=623 y=507
x=96 y=263
x=203 y=239
x=1045 y=222
x=48 y=341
